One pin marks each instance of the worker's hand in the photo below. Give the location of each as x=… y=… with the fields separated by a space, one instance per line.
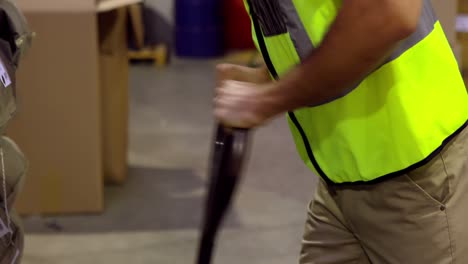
x=244 y=104
x=233 y=72
x=240 y=100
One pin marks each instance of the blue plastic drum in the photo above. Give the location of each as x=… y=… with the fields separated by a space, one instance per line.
x=199 y=28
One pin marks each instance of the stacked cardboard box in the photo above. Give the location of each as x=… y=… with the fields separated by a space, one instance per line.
x=72 y=122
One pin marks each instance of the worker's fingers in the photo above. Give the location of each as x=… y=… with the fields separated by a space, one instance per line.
x=228 y=111
x=227 y=72
x=236 y=119
x=236 y=88
x=230 y=103
x=235 y=108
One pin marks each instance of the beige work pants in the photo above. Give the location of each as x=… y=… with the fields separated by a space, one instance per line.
x=417 y=218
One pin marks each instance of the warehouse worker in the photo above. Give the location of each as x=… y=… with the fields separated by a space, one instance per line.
x=378 y=109
x=14 y=40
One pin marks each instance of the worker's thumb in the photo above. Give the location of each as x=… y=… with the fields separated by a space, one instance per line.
x=225 y=72
x=232 y=72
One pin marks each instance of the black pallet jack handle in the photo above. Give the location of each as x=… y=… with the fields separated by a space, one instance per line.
x=228 y=156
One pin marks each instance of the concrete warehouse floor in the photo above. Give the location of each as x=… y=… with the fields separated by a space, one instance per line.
x=154 y=218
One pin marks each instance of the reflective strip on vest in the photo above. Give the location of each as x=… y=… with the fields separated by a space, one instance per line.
x=304 y=45
x=394 y=120
x=296 y=29
x=425 y=27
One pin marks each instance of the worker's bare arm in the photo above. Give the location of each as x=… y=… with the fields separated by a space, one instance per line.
x=362 y=36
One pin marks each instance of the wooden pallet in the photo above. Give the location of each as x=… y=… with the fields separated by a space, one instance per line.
x=248 y=57
x=158 y=54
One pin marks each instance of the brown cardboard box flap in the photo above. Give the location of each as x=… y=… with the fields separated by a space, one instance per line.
x=107 y=5
x=56 y=5
x=114 y=91
x=73 y=5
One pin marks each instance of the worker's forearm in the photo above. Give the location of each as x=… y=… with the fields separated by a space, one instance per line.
x=364 y=33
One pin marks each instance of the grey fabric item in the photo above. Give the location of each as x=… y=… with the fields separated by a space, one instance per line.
x=16 y=165
x=7 y=94
x=17 y=25
x=297 y=31
x=15 y=39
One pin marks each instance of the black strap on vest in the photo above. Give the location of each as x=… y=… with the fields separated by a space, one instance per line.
x=271 y=68
x=261 y=41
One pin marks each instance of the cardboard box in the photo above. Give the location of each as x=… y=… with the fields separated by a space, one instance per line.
x=137 y=22
x=71 y=80
x=462 y=6
x=114 y=87
x=462 y=29
x=446 y=11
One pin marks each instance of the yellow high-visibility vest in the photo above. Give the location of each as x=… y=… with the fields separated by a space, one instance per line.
x=394 y=120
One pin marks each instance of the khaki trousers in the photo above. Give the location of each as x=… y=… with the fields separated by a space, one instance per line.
x=418 y=217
